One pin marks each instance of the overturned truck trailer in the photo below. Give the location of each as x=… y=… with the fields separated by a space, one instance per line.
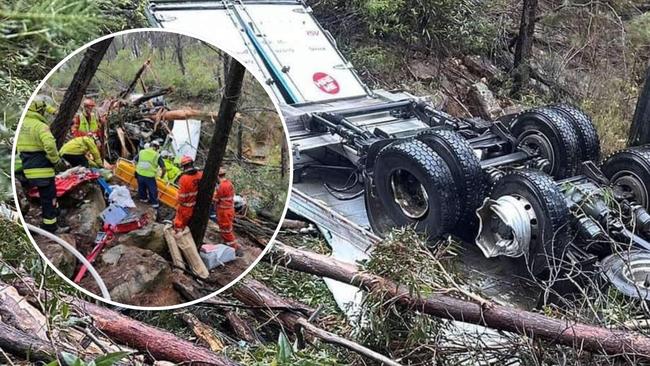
x=365 y=161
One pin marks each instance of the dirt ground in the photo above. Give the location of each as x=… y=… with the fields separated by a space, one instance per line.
x=143 y=275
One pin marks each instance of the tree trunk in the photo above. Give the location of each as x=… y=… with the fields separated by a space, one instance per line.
x=25 y=345
x=157 y=343
x=640 y=129
x=135 y=79
x=523 y=48
x=218 y=144
x=179 y=53
x=253 y=292
x=562 y=331
x=240 y=142
x=75 y=92
x=241 y=328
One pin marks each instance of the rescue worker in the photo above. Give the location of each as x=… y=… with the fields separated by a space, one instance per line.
x=40 y=159
x=75 y=151
x=188 y=188
x=224 y=204
x=147 y=162
x=88 y=122
x=172 y=170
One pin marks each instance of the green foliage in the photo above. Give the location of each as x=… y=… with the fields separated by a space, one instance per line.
x=262 y=186
x=34 y=36
x=200 y=80
x=281 y=354
x=639 y=33
x=108 y=359
x=405 y=258
x=454 y=26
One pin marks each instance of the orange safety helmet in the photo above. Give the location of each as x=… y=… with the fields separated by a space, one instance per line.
x=186 y=160
x=89 y=103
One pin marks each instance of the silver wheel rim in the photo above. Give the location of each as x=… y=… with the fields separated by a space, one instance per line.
x=637 y=272
x=409 y=194
x=507 y=226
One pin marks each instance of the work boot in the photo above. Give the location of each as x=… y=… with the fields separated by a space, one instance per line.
x=62 y=230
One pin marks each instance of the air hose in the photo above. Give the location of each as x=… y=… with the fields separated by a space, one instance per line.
x=79 y=256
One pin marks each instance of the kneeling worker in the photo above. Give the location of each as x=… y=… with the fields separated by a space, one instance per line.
x=75 y=150
x=188 y=188
x=224 y=204
x=146 y=168
x=173 y=172
x=40 y=159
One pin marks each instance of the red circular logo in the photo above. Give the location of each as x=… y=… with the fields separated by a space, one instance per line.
x=326 y=83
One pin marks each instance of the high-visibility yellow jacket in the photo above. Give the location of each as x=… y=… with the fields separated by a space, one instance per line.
x=81 y=146
x=171 y=171
x=37 y=147
x=146 y=164
x=88 y=126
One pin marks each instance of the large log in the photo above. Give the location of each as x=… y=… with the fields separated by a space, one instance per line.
x=562 y=331
x=25 y=345
x=252 y=292
x=158 y=343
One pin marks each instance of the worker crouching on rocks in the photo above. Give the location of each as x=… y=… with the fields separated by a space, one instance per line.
x=40 y=159
x=75 y=151
x=147 y=163
x=224 y=204
x=188 y=188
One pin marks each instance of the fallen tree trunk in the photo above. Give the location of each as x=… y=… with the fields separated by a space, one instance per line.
x=252 y=292
x=534 y=325
x=241 y=328
x=158 y=343
x=25 y=345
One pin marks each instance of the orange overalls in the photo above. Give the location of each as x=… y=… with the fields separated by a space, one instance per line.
x=224 y=204
x=188 y=188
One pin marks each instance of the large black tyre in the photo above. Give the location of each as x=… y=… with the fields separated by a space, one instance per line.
x=552 y=234
x=629 y=169
x=464 y=165
x=549 y=132
x=587 y=135
x=415 y=188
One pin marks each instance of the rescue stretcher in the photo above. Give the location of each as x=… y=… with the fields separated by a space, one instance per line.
x=167 y=192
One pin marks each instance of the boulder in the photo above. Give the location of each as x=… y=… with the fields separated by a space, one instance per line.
x=86 y=221
x=150 y=237
x=486 y=104
x=423 y=70
x=128 y=271
x=62 y=259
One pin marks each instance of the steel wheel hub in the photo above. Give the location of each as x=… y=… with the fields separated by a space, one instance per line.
x=507 y=226
x=409 y=194
x=541 y=145
x=631 y=183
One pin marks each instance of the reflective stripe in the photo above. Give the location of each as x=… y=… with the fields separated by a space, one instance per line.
x=226 y=230
x=188 y=194
x=34 y=173
x=49 y=221
x=188 y=204
x=226 y=202
x=147 y=165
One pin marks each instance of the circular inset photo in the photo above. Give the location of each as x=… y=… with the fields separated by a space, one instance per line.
x=151 y=169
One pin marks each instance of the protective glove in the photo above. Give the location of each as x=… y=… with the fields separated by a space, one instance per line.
x=61 y=166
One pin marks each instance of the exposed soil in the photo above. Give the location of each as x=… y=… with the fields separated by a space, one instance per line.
x=128 y=277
